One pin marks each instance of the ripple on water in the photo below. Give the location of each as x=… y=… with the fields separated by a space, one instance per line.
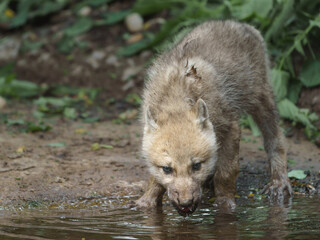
x=299 y=220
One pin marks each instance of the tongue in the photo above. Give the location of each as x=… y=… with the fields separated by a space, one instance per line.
x=185 y=209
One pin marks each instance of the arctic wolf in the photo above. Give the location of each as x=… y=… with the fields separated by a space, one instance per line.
x=194 y=96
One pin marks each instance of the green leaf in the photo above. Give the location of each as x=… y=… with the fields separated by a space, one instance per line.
x=97 y=146
x=250 y=7
x=6 y=70
x=288 y=110
x=112 y=17
x=287 y=10
x=16 y=88
x=253 y=126
x=298 y=174
x=298 y=46
x=52 y=105
x=28 y=9
x=66 y=44
x=3 y=6
x=279 y=83
x=41 y=127
x=291 y=162
x=294 y=90
x=106 y=146
x=147 y=7
x=11 y=122
x=91 y=119
x=133 y=48
x=310 y=73
x=70 y=113
x=57 y=144
x=22 y=14
x=313 y=117
x=316 y=22
x=28 y=45
x=82 y=25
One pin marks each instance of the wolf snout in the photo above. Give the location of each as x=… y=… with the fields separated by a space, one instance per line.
x=185 y=202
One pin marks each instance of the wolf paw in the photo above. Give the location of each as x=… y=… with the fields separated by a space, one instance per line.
x=278 y=189
x=225 y=203
x=146 y=203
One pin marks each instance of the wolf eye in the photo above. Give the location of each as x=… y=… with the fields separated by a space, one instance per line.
x=196 y=166
x=167 y=170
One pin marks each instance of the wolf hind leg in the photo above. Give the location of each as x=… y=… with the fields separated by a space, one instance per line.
x=266 y=117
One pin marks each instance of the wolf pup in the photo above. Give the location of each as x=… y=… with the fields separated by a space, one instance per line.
x=192 y=102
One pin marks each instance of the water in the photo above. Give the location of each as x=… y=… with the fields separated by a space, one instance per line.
x=252 y=220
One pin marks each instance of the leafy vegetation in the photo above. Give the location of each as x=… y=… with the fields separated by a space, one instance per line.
x=69 y=102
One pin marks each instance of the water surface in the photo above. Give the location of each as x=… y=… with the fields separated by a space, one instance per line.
x=104 y=220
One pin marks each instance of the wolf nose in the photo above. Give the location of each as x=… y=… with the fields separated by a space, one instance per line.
x=186 y=203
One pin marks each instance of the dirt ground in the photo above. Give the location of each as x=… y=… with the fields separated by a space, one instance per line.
x=32 y=170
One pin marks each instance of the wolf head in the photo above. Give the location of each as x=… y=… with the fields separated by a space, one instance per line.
x=181 y=152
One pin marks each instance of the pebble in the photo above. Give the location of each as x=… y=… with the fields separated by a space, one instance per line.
x=130 y=72
x=9 y=49
x=130 y=84
x=85 y=11
x=113 y=61
x=3 y=102
x=145 y=54
x=134 y=22
x=94 y=59
x=79 y=70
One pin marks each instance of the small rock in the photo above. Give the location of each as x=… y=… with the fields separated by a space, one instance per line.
x=145 y=54
x=79 y=70
x=9 y=49
x=131 y=62
x=315 y=100
x=128 y=85
x=113 y=61
x=134 y=22
x=134 y=38
x=3 y=102
x=59 y=180
x=22 y=63
x=44 y=57
x=85 y=11
x=122 y=143
x=98 y=55
x=94 y=59
x=131 y=72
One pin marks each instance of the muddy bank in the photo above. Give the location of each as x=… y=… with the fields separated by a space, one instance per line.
x=64 y=163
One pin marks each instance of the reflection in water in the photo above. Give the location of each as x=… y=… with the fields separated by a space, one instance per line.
x=251 y=220
x=277 y=222
x=203 y=225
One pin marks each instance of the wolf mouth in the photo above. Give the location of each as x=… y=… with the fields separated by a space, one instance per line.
x=185 y=211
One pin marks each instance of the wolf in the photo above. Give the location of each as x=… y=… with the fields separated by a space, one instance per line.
x=194 y=96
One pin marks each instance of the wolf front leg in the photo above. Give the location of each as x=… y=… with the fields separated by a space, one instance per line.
x=227 y=167
x=152 y=197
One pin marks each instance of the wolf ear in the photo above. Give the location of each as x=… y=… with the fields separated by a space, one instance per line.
x=202 y=113
x=151 y=123
x=192 y=72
